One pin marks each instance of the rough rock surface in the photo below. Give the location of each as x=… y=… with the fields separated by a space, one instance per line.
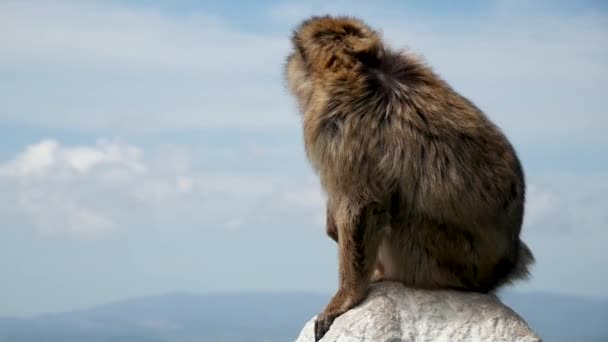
x=395 y=313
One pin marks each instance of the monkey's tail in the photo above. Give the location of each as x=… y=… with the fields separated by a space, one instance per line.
x=510 y=269
x=519 y=268
x=525 y=259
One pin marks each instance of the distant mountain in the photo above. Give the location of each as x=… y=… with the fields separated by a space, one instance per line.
x=266 y=318
x=174 y=318
x=561 y=317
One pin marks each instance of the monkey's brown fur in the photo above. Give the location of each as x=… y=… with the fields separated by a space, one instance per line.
x=422 y=187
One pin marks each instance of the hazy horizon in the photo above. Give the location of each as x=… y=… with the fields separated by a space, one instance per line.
x=508 y=291
x=189 y=317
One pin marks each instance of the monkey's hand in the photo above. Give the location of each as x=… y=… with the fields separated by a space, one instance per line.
x=322 y=324
x=340 y=303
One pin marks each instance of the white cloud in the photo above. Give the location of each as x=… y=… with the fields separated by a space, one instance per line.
x=547 y=210
x=48 y=184
x=36 y=158
x=233 y=224
x=136 y=69
x=105 y=35
x=566 y=225
x=39 y=159
x=113 y=185
x=568 y=205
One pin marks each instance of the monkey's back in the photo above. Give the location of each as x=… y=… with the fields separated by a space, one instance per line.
x=399 y=128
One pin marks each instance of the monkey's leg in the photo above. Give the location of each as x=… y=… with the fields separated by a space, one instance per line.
x=360 y=230
x=332 y=232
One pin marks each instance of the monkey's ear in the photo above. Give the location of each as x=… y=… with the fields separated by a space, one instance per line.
x=337 y=42
x=367 y=50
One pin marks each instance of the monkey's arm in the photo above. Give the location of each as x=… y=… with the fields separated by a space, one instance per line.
x=359 y=229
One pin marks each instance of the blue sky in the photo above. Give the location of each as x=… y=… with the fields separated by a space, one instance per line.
x=151 y=146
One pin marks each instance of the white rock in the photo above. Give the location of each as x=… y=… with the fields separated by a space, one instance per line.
x=394 y=313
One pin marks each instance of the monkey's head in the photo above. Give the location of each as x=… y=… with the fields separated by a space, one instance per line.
x=325 y=47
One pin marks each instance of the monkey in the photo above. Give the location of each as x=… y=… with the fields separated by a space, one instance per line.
x=422 y=187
